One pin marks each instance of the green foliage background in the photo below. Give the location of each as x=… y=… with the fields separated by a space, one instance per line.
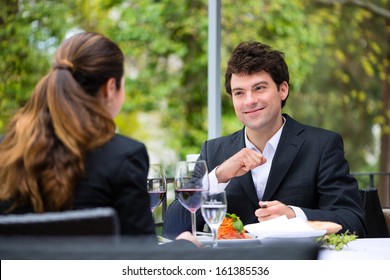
x=336 y=56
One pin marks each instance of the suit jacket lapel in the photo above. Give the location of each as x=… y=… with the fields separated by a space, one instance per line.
x=288 y=147
x=246 y=180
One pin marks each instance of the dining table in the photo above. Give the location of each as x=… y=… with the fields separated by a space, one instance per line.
x=359 y=249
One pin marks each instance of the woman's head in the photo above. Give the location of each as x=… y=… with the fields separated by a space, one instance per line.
x=80 y=89
x=69 y=113
x=92 y=59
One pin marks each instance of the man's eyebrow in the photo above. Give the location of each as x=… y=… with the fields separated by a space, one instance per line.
x=237 y=88
x=260 y=83
x=252 y=86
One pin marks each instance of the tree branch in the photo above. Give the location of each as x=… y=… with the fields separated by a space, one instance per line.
x=365 y=4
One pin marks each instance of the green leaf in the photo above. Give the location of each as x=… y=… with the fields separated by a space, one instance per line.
x=337 y=241
x=237 y=223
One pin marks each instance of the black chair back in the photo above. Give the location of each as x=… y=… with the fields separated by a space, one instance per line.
x=146 y=248
x=94 y=221
x=375 y=219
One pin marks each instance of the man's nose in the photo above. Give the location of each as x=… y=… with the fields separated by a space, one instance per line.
x=251 y=97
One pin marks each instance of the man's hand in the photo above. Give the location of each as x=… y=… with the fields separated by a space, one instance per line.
x=239 y=164
x=272 y=209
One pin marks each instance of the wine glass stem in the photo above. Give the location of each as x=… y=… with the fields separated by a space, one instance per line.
x=193 y=223
x=152 y=211
x=215 y=233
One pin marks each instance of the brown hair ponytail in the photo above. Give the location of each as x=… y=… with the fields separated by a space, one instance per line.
x=43 y=152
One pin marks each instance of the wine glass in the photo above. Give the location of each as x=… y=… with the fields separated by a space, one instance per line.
x=213 y=208
x=191 y=178
x=157 y=185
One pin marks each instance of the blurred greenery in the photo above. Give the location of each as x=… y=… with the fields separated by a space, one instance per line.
x=337 y=56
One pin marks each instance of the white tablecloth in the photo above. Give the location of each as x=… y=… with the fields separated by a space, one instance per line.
x=360 y=249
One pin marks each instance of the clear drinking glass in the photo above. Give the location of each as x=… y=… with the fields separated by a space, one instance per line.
x=191 y=178
x=213 y=207
x=157 y=185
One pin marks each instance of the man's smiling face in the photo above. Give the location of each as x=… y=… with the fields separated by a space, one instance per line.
x=257 y=100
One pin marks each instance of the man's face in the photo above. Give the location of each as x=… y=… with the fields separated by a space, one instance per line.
x=257 y=100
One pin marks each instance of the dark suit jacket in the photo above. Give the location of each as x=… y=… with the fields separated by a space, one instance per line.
x=308 y=171
x=115 y=176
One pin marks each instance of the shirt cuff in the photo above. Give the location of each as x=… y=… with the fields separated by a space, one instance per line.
x=298 y=212
x=214 y=185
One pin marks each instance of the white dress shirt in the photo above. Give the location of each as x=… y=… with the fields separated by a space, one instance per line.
x=259 y=174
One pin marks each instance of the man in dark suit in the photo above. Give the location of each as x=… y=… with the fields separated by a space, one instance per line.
x=274 y=166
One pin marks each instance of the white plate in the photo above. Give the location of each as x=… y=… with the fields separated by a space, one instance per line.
x=292 y=234
x=282 y=227
x=242 y=243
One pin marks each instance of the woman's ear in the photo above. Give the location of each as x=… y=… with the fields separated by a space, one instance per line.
x=107 y=92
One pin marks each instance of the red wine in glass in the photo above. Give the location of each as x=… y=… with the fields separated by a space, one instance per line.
x=156 y=185
x=156 y=197
x=190 y=198
x=191 y=178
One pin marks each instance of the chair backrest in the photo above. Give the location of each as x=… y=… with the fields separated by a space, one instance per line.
x=146 y=248
x=94 y=221
x=375 y=219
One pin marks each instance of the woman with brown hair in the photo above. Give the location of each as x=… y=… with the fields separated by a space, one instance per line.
x=61 y=151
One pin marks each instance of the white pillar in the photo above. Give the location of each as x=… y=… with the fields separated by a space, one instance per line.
x=214 y=68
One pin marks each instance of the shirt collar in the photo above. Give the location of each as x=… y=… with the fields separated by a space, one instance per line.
x=274 y=141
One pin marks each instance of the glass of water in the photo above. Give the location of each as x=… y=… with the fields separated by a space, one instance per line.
x=213 y=208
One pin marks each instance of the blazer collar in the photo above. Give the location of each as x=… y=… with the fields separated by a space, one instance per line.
x=289 y=145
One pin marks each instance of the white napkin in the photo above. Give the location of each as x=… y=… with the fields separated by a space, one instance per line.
x=282 y=227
